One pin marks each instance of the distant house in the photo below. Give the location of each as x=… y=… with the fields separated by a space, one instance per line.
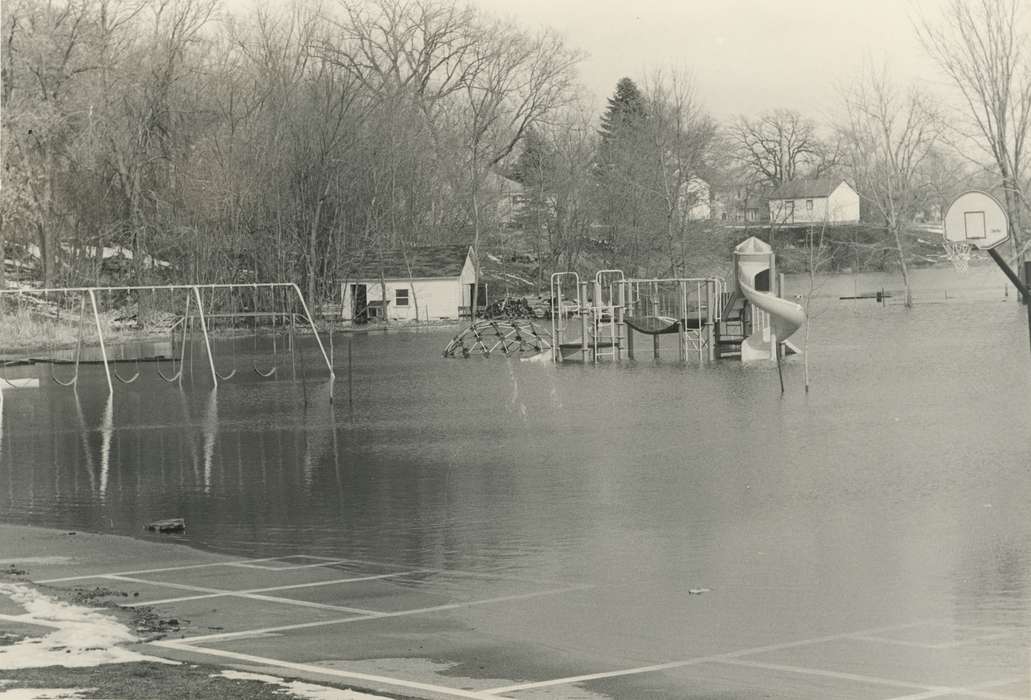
x=510 y=197
x=697 y=199
x=825 y=200
x=739 y=204
x=425 y=282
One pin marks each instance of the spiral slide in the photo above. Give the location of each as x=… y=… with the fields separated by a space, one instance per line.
x=753 y=257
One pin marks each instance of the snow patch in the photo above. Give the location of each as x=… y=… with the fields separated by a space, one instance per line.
x=297 y=689
x=80 y=636
x=44 y=693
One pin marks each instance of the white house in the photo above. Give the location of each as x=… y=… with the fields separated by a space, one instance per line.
x=421 y=283
x=826 y=200
x=697 y=197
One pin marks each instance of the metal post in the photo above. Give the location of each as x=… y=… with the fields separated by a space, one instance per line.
x=581 y=299
x=78 y=343
x=204 y=330
x=682 y=316
x=556 y=317
x=311 y=323
x=711 y=292
x=619 y=326
x=182 y=348
x=1027 y=300
x=100 y=338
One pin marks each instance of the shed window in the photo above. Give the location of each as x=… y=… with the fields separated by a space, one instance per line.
x=401 y=297
x=809 y=205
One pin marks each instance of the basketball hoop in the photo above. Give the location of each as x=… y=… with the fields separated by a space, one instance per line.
x=958 y=253
x=974 y=220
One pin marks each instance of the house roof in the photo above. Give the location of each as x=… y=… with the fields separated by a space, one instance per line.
x=419 y=262
x=801 y=189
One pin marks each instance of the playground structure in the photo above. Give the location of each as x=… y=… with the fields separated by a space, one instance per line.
x=591 y=320
x=508 y=336
x=608 y=311
x=176 y=309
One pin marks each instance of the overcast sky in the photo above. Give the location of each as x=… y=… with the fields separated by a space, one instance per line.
x=746 y=56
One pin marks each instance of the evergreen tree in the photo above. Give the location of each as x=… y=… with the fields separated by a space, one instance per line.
x=625 y=110
x=620 y=167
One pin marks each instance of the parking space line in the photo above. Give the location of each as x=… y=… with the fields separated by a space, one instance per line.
x=293 y=567
x=324 y=671
x=456 y=572
x=697 y=660
x=838 y=675
x=218 y=593
x=223 y=636
x=975 y=690
x=939 y=646
x=183 y=567
x=28 y=619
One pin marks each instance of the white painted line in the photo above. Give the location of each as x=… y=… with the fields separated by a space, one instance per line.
x=289 y=567
x=324 y=671
x=968 y=690
x=209 y=638
x=184 y=567
x=940 y=645
x=696 y=660
x=252 y=596
x=838 y=675
x=456 y=572
x=270 y=589
x=28 y=619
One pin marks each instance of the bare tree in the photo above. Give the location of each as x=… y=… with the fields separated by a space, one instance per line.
x=981 y=45
x=681 y=133
x=889 y=134
x=780 y=146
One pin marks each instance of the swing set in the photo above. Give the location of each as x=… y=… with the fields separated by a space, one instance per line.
x=281 y=304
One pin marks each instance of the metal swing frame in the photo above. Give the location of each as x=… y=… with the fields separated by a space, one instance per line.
x=254 y=324
x=193 y=290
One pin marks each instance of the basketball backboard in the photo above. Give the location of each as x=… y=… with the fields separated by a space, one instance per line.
x=976 y=218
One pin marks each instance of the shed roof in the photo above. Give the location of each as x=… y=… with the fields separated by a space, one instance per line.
x=421 y=262
x=800 y=189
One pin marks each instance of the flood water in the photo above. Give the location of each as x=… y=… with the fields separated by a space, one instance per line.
x=899 y=485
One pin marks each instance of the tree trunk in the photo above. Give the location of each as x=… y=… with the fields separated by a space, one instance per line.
x=896 y=230
x=476 y=256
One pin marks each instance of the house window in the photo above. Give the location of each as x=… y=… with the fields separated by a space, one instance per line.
x=401 y=297
x=808 y=205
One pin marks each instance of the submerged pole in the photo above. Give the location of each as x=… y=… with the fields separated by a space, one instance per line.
x=204 y=330
x=1017 y=282
x=682 y=317
x=311 y=323
x=581 y=301
x=100 y=338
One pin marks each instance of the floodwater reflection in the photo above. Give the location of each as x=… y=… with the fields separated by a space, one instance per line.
x=896 y=488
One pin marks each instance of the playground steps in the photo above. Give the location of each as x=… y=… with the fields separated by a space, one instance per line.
x=573 y=347
x=729 y=346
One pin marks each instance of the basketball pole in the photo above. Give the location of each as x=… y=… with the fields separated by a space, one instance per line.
x=1015 y=279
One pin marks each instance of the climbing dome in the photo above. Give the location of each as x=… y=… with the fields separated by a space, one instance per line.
x=485 y=337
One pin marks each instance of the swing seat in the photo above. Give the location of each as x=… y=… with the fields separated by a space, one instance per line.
x=654 y=325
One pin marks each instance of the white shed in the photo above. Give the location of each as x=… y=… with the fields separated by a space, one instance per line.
x=421 y=283
x=825 y=200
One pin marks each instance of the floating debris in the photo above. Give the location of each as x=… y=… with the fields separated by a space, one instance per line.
x=170 y=525
x=699 y=591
